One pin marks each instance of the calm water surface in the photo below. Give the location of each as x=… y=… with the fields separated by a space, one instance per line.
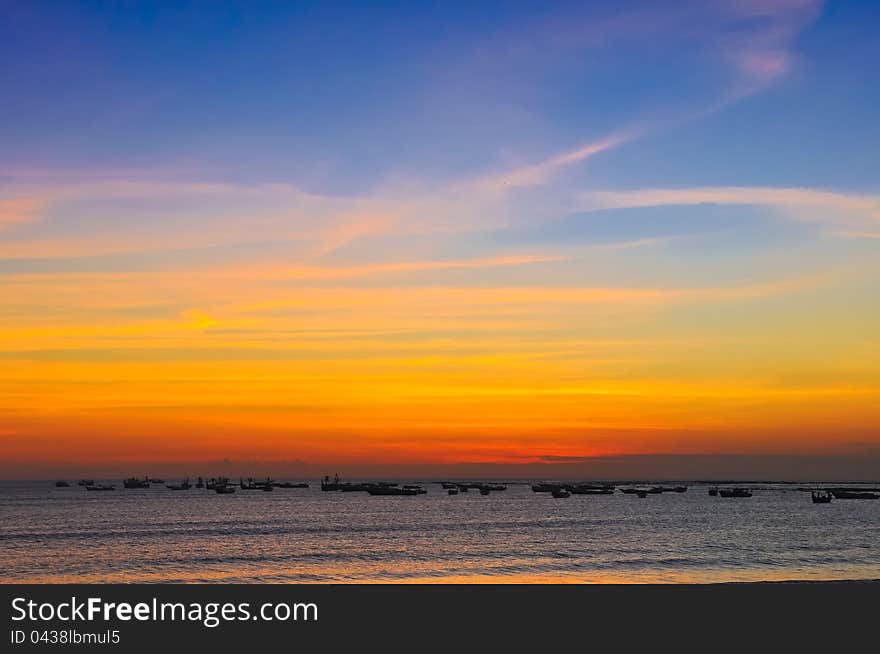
x=50 y=534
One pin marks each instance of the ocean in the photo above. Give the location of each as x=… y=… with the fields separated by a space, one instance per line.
x=50 y=535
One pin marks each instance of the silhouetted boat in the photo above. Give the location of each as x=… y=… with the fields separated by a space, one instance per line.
x=395 y=490
x=61 y=484
x=134 y=482
x=289 y=484
x=100 y=487
x=184 y=485
x=821 y=497
x=224 y=489
x=200 y=483
x=253 y=484
x=85 y=482
x=494 y=487
x=485 y=491
x=841 y=494
x=452 y=491
x=735 y=492
x=680 y=489
x=713 y=491
x=560 y=493
x=328 y=485
x=544 y=487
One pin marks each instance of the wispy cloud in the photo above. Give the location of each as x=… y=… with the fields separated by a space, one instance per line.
x=796 y=203
x=18 y=210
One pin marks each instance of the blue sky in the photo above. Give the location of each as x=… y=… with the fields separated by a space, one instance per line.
x=501 y=189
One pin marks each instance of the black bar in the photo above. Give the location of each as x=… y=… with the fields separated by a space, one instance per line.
x=462 y=618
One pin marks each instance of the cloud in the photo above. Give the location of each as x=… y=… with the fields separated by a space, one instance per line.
x=543 y=171
x=18 y=210
x=795 y=203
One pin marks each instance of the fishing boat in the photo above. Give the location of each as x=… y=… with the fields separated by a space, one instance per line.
x=395 y=490
x=268 y=488
x=679 y=489
x=629 y=491
x=134 y=482
x=841 y=494
x=495 y=487
x=61 y=484
x=224 y=489
x=184 y=485
x=821 y=497
x=100 y=487
x=560 y=493
x=418 y=489
x=328 y=485
x=713 y=491
x=289 y=484
x=86 y=482
x=735 y=492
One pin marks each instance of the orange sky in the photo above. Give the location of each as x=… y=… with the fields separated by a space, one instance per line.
x=512 y=243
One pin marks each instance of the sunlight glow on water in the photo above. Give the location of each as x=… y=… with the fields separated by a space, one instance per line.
x=50 y=534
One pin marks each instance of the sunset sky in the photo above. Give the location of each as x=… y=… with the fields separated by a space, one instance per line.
x=419 y=234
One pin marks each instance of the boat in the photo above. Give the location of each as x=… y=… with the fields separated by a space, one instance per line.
x=544 y=487
x=86 y=482
x=629 y=491
x=452 y=491
x=224 y=489
x=418 y=489
x=328 y=485
x=713 y=491
x=184 y=485
x=642 y=493
x=485 y=490
x=679 y=489
x=290 y=484
x=100 y=487
x=200 y=483
x=395 y=490
x=821 y=497
x=494 y=487
x=134 y=482
x=842 y=494
x=268 y=488
x=61 y=484
x=560 y=493
x=353 y=487
x=214 y=482
x=735 y=492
